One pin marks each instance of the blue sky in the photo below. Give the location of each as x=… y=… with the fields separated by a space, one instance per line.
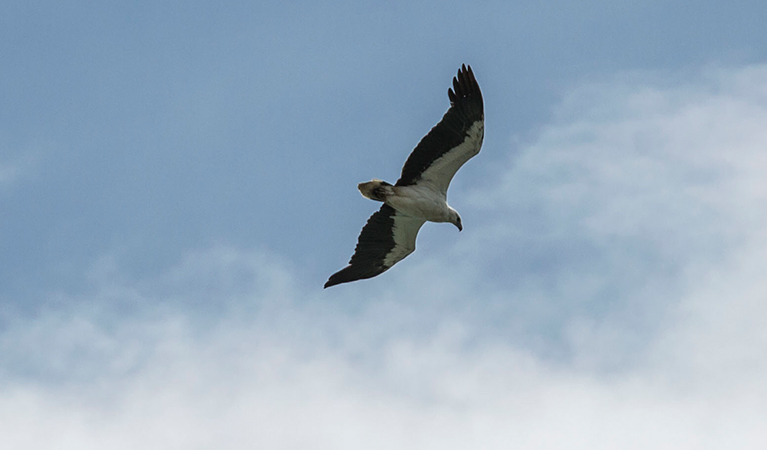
x=178 y=180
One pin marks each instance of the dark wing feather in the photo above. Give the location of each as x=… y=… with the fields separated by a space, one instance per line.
x=466 y=109
x=388 y=237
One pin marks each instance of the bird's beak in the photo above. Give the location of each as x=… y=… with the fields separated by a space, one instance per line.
x=460 y=228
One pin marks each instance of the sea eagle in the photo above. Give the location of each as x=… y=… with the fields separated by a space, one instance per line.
x=420 y=194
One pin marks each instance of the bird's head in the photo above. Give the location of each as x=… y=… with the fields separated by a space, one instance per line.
x=455 y=219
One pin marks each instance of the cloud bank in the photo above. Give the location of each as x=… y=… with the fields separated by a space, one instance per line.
x=610 y=295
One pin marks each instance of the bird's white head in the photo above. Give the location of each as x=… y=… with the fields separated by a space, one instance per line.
x=455 y=219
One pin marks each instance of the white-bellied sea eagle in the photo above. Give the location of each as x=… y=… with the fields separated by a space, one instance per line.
x=420 y=194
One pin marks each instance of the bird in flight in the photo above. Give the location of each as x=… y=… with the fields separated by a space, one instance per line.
x=420 y=194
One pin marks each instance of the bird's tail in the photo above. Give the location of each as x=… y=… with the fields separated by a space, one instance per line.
x=376 y=190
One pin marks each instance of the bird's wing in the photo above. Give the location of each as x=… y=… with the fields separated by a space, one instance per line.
x=387 y=238
x=453 y=141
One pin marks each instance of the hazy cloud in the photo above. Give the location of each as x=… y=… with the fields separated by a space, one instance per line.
x=14 y=170
x=611 y=295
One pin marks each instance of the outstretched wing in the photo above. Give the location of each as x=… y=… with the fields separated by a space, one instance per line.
x=387 y=238
x=453 y=141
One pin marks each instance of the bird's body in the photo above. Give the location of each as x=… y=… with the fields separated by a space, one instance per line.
x=420 y=195
x=419 y=200
x=423 y=202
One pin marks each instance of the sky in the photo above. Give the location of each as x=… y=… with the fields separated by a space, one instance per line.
x=178 y=180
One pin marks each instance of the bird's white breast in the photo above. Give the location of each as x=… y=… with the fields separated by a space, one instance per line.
x=420 y=201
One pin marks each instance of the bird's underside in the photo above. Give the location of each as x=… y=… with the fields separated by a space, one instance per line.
x=420 y=194
x=417 y=200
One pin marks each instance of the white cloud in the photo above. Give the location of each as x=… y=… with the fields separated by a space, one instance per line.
x=631 y=234
x=14 y=169
x=8 y=174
